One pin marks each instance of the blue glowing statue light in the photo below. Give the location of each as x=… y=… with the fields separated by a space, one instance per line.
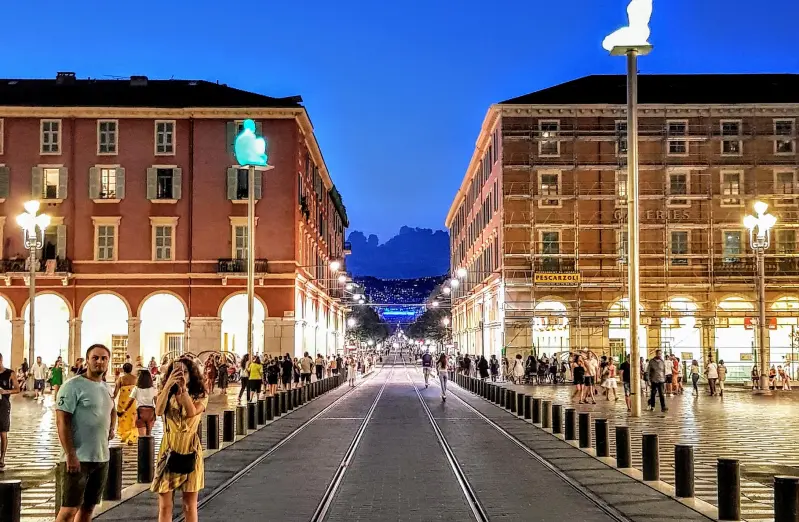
x=250 y=149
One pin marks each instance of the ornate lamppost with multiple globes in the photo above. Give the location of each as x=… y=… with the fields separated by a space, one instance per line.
x=33 y=225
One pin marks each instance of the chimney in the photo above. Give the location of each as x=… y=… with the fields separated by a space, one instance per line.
x=65 y=78
x=138 y=81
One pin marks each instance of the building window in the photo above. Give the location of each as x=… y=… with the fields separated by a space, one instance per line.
x=678 y=137
x=163 y=239
x=549 y=189
x=164 y=138
x=108 y=183
x=785 y=141
x=50 y=178
x=622 y=245
x=731 y=189
x=238 y=184
x=164 y=184
x=550 y=246
x=679 y=247
x=785 y=185
x=731 y=143
x=679 y=185
x=786 y=241
x=548 y=143
x=51 y=137
x=107 y=137
x=621 y=188
x=731 y=246
x=621 y=138
x=240 y=241
x=106 y=234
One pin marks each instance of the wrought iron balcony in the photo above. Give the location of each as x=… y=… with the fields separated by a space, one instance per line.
x=347 y=248
x=239 y=266
x=555 y=264
x=43 y=266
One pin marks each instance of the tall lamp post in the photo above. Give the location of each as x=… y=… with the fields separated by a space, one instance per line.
x=250 y=152
x=33 y=226
x=759 y=239
x=632 y=41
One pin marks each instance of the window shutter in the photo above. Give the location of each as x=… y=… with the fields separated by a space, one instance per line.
x=94 y=183
x=232 y=182
x=177 y=183
x=259 y=128
x=259 y=178
x=152 y=189
x=4 y=179
x=36 y=183
x=61 y=242
x=120 y=174
x=62 y=182
x=231 y=135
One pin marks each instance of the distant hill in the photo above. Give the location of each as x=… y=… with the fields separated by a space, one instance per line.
x=413 y=253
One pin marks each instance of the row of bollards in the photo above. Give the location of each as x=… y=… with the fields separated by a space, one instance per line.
x=577 y=427
x=234 y=423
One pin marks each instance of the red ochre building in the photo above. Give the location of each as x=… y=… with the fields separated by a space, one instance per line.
x=147 y=246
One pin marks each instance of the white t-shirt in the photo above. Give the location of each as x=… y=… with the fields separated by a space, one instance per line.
x=712 y=371
x=669 y=366
x=591 y=368
x=40 y=371
x=144 y=396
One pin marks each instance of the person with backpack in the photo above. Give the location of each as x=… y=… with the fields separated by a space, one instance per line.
x=427 y=367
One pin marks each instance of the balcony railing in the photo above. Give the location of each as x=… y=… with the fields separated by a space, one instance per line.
x=773 y=267
x=347 y=248
x=239 y=266
x=43 y=266
x=555 y=264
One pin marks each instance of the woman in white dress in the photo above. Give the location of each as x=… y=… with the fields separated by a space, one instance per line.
x=518 y=369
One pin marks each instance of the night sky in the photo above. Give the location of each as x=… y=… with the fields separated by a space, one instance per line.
x=397 y=90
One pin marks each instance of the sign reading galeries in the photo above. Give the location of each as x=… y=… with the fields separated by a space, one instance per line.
x=550 y=278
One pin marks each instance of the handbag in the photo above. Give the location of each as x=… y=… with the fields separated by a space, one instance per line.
x=181 y=463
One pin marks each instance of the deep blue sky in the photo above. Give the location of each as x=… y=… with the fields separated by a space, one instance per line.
x=397 y=90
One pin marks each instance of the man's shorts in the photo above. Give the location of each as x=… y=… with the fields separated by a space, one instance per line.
x=589 y=380
x=5 y=416
x=84 y=488
x=306 y=377
x=38 y=384
x=627 y=389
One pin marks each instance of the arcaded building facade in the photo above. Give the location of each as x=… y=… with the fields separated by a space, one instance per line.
x=147 y=247
x=540 y=219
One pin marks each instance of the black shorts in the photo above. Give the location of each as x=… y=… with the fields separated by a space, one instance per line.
x=306 y=377
x=589 y=380
x=5 y=415
x=84 y=488
x=38 y=384
x=255 y=385
x=286 y=378
x=335 y=371
x=296 y=378
x=271 y=379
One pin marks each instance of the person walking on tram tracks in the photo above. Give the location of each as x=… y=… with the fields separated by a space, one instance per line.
x=256 y=370
x=657 y=376
x=712 y=374
x=8 y=387
x=427 y=367
x=695 y=376
x=442 y=368
x=39 y=371
x=86 y=421
x=244 y=376
x=179 y=466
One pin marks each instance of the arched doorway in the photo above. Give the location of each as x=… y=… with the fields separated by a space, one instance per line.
x=234 y=325
x=619 y=329
x=550 y=328
x=104 y=319
x=6 y=315
x=163 y=323
x=678 y=332
x=51 y=321
x=735 y=336
x=784 y=339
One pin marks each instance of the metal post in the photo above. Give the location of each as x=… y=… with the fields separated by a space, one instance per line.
x=212 y=434
x=650 y=452
x=729 y=489
x=557 y=418
x=602 y=437
x=145 y=459
x=250 y=256
x=113 y=482
x=241 y=420
x=252 y=419
x=624 y=457
x=546 y=414
x=11 y=500
x=683 y=471
x=632 y=230
x=585 y=429
x=31 y=301
x=786 y=499
x=762 y=328
x=228 y=426
x=536 y=413
x=570 y=424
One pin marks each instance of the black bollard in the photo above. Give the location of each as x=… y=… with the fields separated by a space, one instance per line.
x=536 y=413
x=270 y=408
x=786 y=499
x=520 y=400
x=10 y=500
x=624 y=457
x=503 y=393
x=683 y=471
x=145 y=459
x=282 y=399
x=528 y=407
x=728 y=472
x=261 y=412
x=571 y=419
x=557 y=418
x=228 y=426
x=252 y=417
x=546 y=414
x=113 y=482
x=512 y=400
x=212 y=431
x=241 y=420
x=495 y=393
x=585 y=429
x=650 y=453
x=602 y=437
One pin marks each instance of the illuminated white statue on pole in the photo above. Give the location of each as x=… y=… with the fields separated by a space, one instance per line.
x=636 y=34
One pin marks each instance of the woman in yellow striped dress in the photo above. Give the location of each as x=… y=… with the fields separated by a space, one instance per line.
x=181 y=401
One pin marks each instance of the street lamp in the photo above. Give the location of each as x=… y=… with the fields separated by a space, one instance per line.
x=435 y=304
x=447 y=290
x=461 y=273
x=33 y=226
x=454 y=283
x=250 y=152
x=445 y=321
x=759 y=240
x=342 y=279
x=351 y=322
x=633 y=41
x=335 y=265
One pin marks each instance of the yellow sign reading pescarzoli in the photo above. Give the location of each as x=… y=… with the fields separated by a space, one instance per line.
x=557 y=278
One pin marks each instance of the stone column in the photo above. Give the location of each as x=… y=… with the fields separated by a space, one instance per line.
x=707 y=339
x=17 y=343
x=134 y=338
x=273 y=336
x=75 y=340
x=202 y=334
x=653 y=337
